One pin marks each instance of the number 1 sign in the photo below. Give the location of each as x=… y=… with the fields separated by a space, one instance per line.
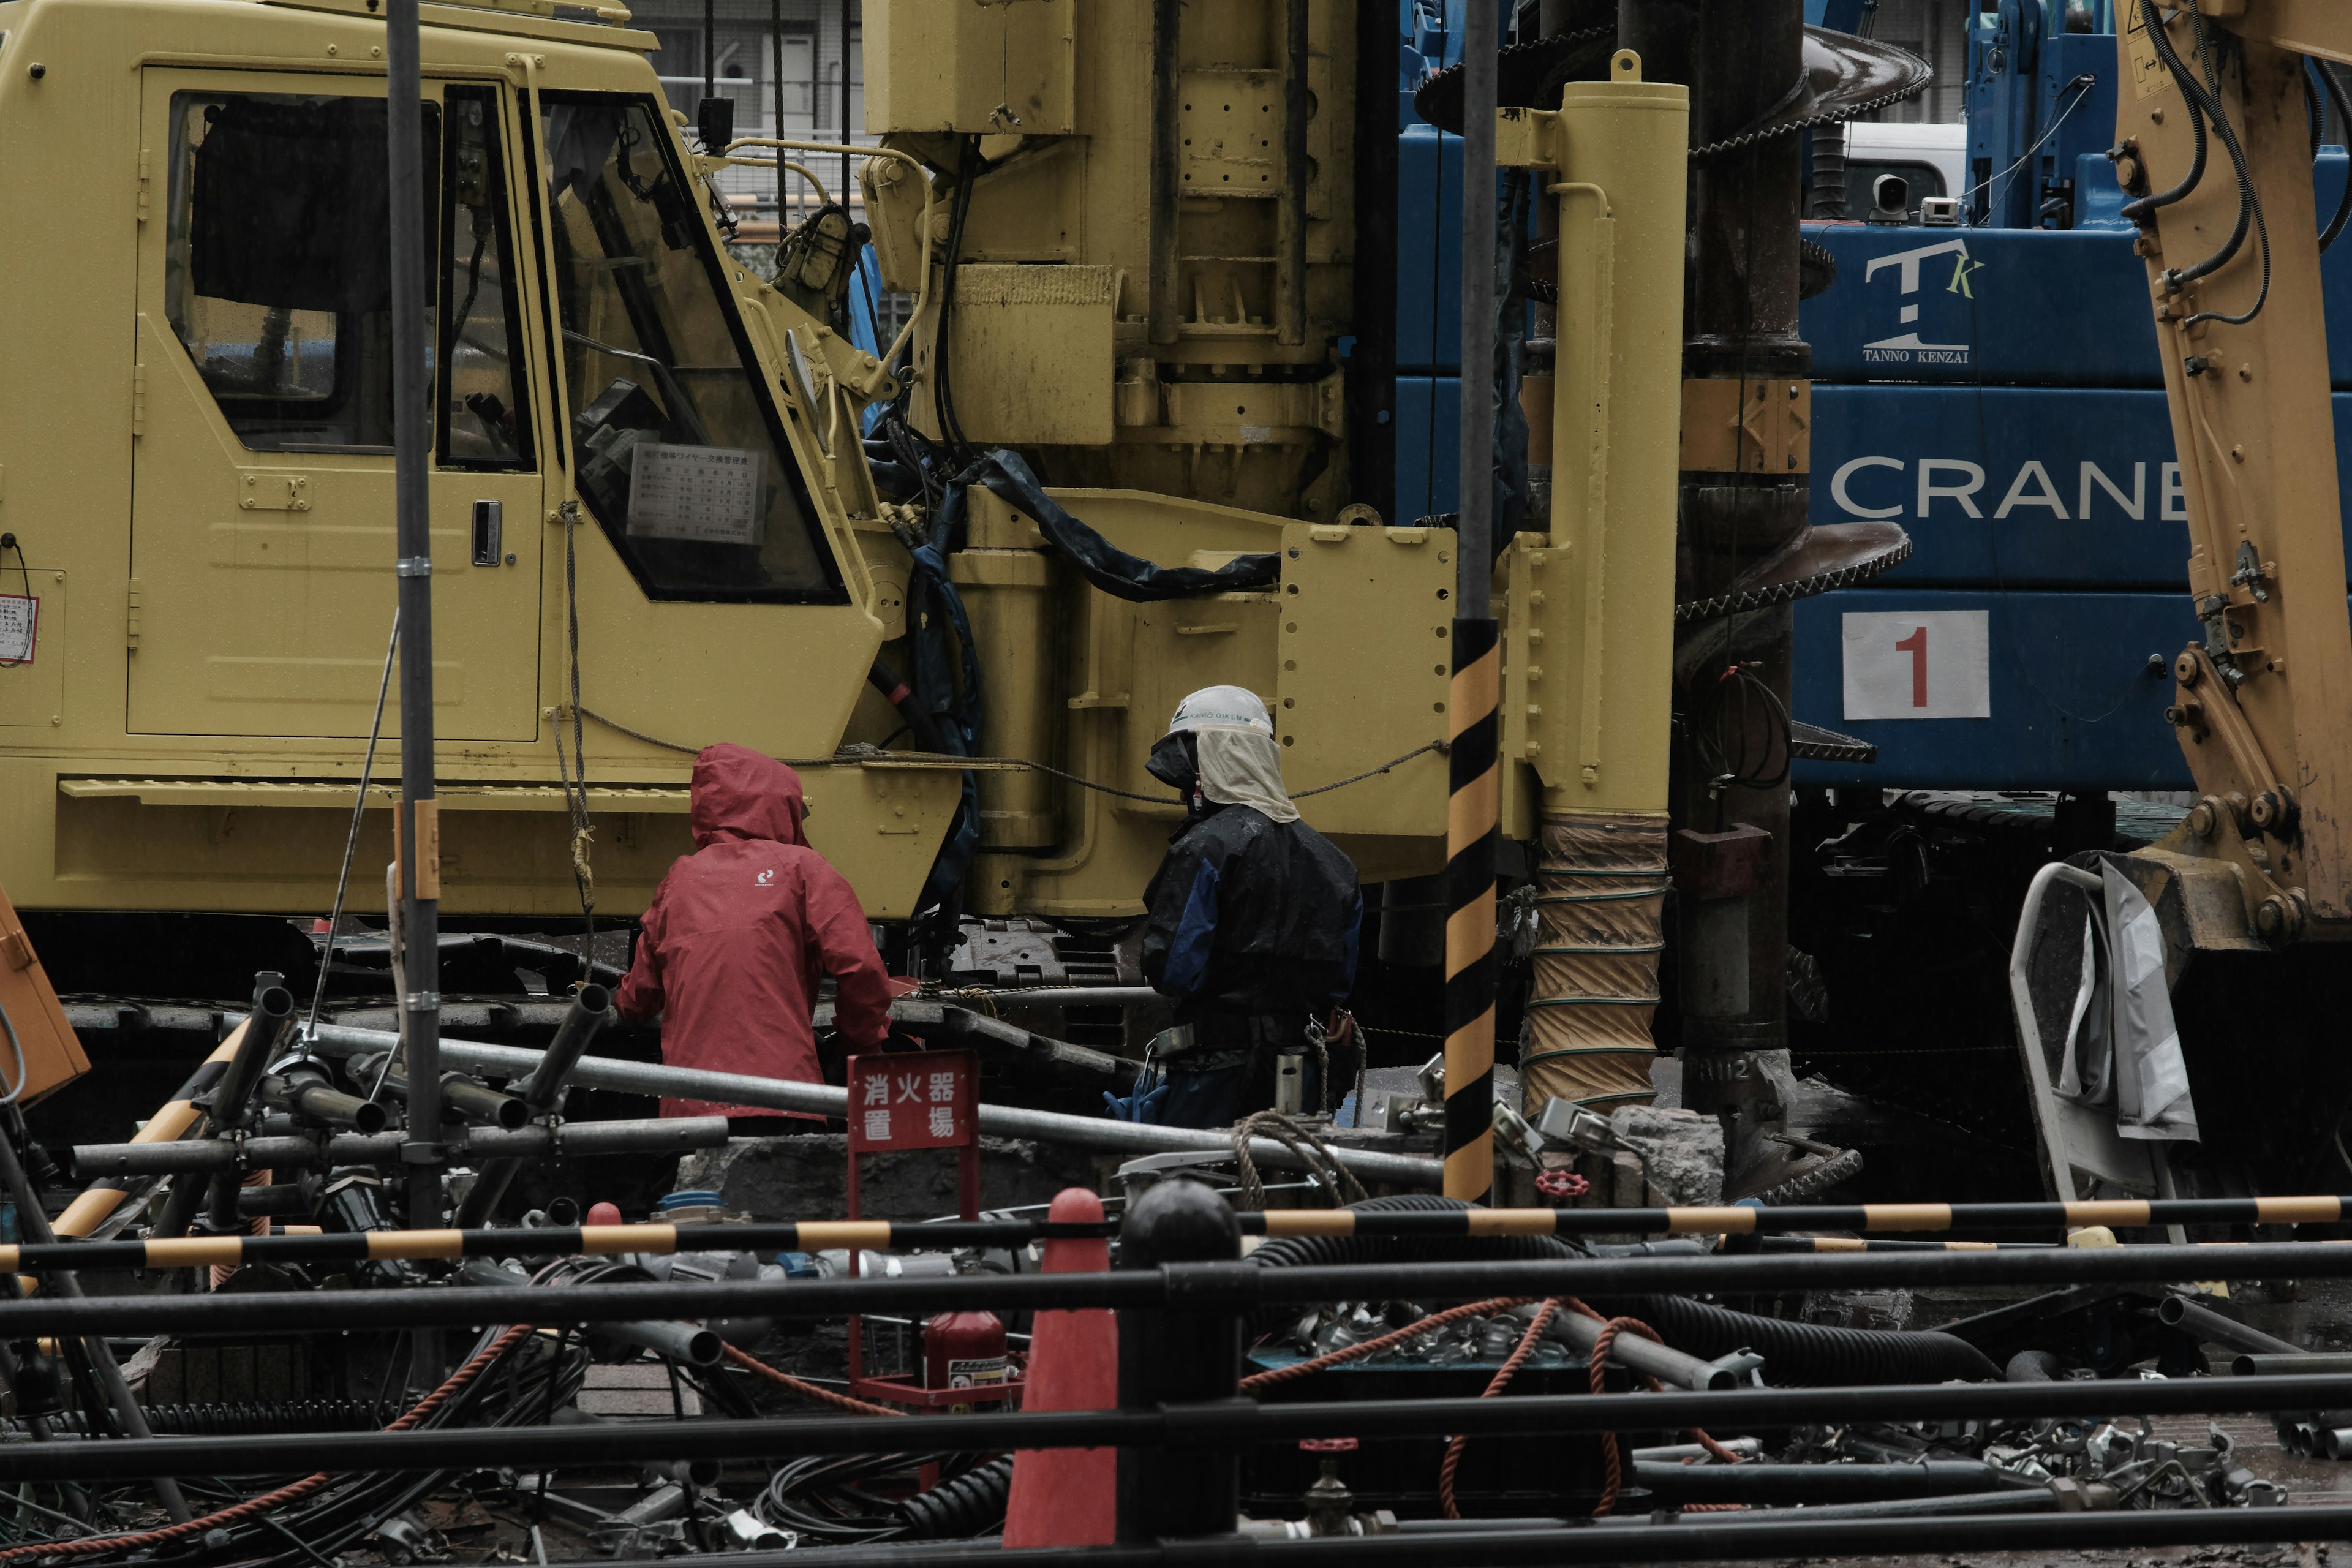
x=1928 y=664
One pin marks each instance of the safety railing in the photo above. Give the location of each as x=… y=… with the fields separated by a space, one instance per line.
x=1183 y=1293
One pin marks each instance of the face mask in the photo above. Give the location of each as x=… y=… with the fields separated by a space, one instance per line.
x=1174 y=763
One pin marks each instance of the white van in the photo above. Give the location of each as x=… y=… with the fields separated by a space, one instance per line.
x=1934 y=160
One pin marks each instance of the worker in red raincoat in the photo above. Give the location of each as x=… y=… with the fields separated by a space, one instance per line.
x=739 y=935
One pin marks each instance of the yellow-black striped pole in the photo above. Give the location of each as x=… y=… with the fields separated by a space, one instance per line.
x=1472 y=773
x=1470 y=825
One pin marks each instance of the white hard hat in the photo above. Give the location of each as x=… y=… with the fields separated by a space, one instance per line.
x=1221 y=705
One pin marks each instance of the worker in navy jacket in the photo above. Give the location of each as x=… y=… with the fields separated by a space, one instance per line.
x=1252 y=916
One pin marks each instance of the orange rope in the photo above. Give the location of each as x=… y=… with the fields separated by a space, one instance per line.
x=1501 y=1381
x=807 y=1390
x=1609 y=1328
x=1256 y=1381
x=91 y=1546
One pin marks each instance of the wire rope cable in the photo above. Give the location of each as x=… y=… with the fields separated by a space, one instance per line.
x=352 y=835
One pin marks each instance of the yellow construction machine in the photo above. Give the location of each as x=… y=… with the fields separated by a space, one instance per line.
x=2244 y=904
x=1128 y=231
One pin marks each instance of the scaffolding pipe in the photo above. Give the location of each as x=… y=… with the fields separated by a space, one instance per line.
x=691 y=1344
x=66 y=1283
x=1219 y=1422
x=470 y=1100
x=660 y=1134
x=541 y=1094
x=824 y=1099
x=320 y=1102
x=1637 y=1354
x=1246 y=1287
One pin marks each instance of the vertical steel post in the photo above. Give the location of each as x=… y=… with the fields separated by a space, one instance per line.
x=1473 y=773
x=1167 y=160
x=845 y=100
x=1741 y=328
x=1168 y=1355
x=1372 y=368
x=710 y=53
x=1291 y=220
x=775 y=127
x=418 y=817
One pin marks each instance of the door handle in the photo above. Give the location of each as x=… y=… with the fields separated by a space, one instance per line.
x=489 y=528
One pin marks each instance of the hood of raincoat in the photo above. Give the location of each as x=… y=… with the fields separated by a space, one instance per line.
x=1239 y=767
x=739 y=794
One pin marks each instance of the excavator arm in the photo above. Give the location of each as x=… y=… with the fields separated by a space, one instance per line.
x=2216 y=134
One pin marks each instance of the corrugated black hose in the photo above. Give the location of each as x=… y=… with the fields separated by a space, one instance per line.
x=971 y=1504
x=1795 y=1355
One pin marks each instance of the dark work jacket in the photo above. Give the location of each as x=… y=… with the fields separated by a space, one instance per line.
x=1250 y=917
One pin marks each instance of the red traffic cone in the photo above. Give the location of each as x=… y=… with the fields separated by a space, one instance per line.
x=1065 y=1497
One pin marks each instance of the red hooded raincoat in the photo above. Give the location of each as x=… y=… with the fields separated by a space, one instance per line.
x=741 y=931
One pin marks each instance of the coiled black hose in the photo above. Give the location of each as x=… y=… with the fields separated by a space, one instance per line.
x=1795 y=1355
x=238 y=1418
x=2034 y=1366
x=969 y=1504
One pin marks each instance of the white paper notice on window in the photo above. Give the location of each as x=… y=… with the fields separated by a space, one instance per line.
x=709 y=494
x=20 y=619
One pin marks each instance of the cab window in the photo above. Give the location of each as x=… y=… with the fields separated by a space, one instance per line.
x=480 y=421
x=675 y=443
x=279 y=279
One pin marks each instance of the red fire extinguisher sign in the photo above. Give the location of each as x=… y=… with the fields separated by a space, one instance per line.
x=918 y=1100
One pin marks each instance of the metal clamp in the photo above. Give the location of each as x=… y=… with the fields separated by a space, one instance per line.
x=414 y=566
x=422 y=1002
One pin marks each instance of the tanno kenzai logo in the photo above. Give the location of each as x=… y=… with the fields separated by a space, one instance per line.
x=1921 y=278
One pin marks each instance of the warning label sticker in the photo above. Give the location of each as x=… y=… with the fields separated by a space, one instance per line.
x=981 y=1372
x=2148 y=75
x=709 y=494
x=20 y=618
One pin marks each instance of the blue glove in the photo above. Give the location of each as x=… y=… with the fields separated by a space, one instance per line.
x=1143 y=1098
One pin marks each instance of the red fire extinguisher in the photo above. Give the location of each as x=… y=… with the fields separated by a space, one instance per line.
x=964 y=1350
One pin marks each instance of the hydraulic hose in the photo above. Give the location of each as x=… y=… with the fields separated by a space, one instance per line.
x=968 y=1505
x=1809 y=1355
x=2203 y=98
x=2146 y=206
x=1795 y=1355
x=922 y=727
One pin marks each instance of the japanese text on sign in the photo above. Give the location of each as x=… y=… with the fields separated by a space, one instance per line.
x=20 y=618
x=910 y=1101
x=709 y=494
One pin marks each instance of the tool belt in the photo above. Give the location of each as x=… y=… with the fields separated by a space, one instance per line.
x=1216 y=1041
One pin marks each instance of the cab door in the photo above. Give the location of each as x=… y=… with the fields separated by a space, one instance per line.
x=262 y=527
